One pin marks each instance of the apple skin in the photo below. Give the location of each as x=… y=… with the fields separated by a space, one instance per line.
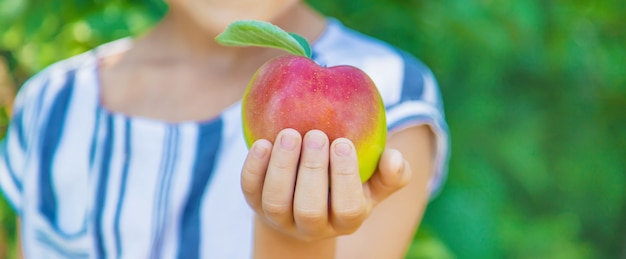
x=295 y=92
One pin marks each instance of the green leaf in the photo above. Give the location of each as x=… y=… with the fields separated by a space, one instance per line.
x=263 y=34
x=304 y=43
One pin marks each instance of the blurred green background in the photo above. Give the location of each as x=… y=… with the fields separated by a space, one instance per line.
x=535 y=95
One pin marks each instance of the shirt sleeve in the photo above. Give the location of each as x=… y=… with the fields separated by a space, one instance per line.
x=15 y=145
x=420 y=103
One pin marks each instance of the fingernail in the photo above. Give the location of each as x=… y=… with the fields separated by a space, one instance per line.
x=288 y=141
x=259 y=150
x=343 y=149
x=315 y=140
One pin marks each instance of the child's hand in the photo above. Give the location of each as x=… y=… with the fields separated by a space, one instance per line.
x=287 y=184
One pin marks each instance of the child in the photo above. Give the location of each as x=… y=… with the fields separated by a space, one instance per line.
x=135 y=149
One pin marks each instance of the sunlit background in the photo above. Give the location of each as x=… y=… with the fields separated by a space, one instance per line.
x=535 y=95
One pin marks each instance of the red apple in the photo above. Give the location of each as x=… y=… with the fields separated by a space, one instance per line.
x=294 y=92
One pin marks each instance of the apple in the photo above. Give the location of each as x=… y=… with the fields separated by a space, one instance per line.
x=292 y=91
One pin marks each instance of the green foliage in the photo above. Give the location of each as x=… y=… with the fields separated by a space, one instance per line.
x=535 y=94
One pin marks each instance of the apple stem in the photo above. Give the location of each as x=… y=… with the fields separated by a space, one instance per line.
x=246 y=33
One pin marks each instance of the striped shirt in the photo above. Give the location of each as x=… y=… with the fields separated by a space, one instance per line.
x=89 y=183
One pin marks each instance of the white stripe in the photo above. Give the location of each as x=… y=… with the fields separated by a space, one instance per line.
x=430 y=88
x=387 y=72
x=137 y=217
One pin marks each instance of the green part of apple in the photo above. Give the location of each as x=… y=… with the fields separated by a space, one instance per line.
x=263 y=34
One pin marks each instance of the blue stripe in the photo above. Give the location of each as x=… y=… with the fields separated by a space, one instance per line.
x=50 y=142
x=102 y=188
x=19 y=127
x=94 y=141
x=118 y=210
x=209 y=141
x=47 y=241
x=413 y=81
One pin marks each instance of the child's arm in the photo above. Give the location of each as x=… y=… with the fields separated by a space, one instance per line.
x=298 y=217
x=390 y=228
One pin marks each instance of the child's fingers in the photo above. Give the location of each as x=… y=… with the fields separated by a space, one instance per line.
x=393 y=173
x=311 y=193
x=253 y=173
x=348 y=204
x=278 y=188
